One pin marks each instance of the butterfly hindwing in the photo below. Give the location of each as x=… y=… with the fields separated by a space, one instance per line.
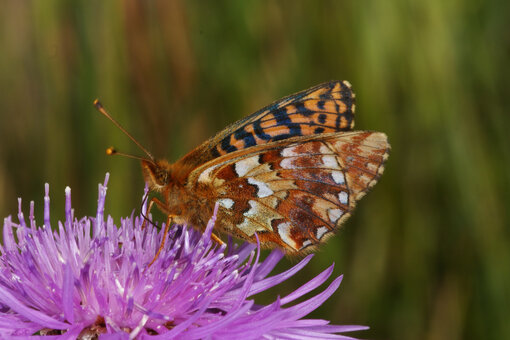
x=325 y=108
x=296 y=192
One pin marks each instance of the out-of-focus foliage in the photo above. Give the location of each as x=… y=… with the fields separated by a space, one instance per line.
x=427 y=253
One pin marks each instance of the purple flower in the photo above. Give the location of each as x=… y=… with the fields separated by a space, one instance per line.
x=86 y=277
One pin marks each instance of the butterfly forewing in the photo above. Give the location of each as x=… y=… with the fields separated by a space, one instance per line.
x=325 y=108
x=296 y=192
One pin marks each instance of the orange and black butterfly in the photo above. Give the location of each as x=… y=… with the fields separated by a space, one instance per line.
x=291 y=172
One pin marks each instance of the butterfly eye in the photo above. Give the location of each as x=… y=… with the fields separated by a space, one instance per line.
x=156 y=174
x=161 y=176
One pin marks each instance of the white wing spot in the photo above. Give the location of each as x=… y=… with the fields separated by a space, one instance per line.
x=335 y=214
x=264 y=190
x=205 y=176
x=289 y=151
x=247 y=226
x=243 y=166
x=321 y=231
x=343 y=197
x=226 y=202
x=253 y=209
x=286 y=163
x=324 y=149
x=330 y=161
x=338 y=177
x=306 y=244
x=284 y=232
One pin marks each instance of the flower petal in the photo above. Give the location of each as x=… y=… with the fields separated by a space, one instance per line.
x=31 y=314
x=67 y=293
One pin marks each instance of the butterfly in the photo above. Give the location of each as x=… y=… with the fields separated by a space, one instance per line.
x=290 y=173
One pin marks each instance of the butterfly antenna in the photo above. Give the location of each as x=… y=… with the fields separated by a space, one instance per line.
x=111 y=150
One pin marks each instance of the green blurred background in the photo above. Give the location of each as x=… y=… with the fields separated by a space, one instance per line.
x=425 y=256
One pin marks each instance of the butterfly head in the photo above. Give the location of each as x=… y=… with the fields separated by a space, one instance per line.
x=156 y=174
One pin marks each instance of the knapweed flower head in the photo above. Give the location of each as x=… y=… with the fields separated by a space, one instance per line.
x=86 y=278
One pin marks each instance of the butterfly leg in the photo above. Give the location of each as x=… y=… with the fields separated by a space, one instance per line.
x=216 y=239
x=160 y=205
x=163 y=240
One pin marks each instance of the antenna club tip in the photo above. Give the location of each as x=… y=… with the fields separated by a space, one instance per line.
x=111 y=151
x=98 y=104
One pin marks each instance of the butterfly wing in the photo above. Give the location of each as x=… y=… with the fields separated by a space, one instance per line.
x=293 y=193
x=328 y=107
